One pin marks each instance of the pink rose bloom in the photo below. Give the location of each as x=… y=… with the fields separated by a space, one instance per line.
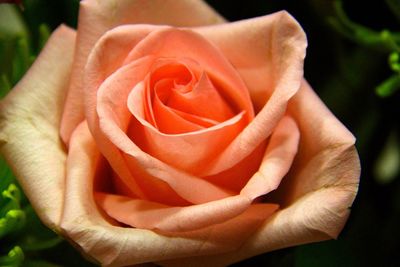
x=157 y=131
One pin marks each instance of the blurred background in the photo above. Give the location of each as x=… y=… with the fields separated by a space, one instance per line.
x=352 y=62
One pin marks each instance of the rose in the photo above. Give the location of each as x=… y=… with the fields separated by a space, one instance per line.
x=172 y=135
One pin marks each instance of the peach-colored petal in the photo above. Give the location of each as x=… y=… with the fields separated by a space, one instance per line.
x=324 y=141
x=95 y=75
x=113 y=120
x=179 y=86
x=119 y=113
x=110 y=245
x=186 y=151
x=201 y=121
x=104 y=64
x=277 y=161
x=167 y=120
x=29 y=121
x=272 y=70
x=236 y=178
x=204 y=100
x=97 y=17
x=258 y=175
x=177 y=43
x=150 y=215
x=317 y=193
x=274 y=64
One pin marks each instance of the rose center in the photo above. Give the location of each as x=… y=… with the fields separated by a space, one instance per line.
x=179 y=90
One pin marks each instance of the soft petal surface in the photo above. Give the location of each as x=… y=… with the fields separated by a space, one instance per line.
x=277 y=160
x=176 y=43
x=274 y=64
x=118 y=148
x=113 y=245
x=108 y=118
x=29 y=123
x=150 y=215
x=317 y=193
x=97 y=17
x=272 y=70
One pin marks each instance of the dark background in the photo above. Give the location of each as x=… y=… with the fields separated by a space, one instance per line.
x=345 y=74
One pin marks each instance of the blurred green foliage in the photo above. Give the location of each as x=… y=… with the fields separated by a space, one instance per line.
x=352 y=63
x=24 y=240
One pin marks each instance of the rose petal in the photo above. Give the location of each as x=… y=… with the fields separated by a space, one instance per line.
x=255 y=177
x=168 y=121
x=274 y=64
x=116 y=146
x=150 y=215
x=95 y=75
x=185 y=151
x=201 y=121
x=97 y=17
x=103 y=65
x=318 y=191
x=277 y=161
x=204 y=101
x=176 y=43
x=272 y=69
x=112 y=245
x=325 y=140
x=119 y=112
x=29 y=134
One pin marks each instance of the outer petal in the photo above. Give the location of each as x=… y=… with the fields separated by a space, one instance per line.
x=274 y=64
x=119 y=246
x=29 y=121
x=317 y=193
x=272 y=70
x=97 y=17
x=278 y=159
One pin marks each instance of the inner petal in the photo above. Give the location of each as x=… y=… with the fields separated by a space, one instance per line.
x=173 y=43
x=172 y=69
x=167 y=120
x=181 y=98
x=204 y=100
x=187 y=151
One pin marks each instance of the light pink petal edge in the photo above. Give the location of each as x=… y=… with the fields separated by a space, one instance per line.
x=29 y=121
x=97 y=17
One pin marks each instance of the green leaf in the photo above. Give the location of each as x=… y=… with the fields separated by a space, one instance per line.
x=22 y=59
x=35 y=245
x=35 y=236
x=10 y=200
x=394 y=62
x=14 y=258
x=6 y=175
x=13 y=195
x=13 y=221
x=11 y=23
x=12 y=27
x=5 y=85
x=389 y=86
x=44 y=34
x=384 y=40
x=387 y=166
